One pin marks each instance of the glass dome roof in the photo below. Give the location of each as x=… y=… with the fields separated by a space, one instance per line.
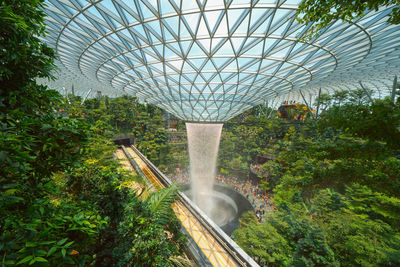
x=209 y=60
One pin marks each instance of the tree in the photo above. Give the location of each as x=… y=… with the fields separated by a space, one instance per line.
x=122 y=111
x=323 y=13
x=339 y=97
x=272 y=172
x=36 y=145
x=360 y=241
x=378 y=121
x=313 y=250
x=359 y=96
x=378 y=206
x=23 y=56
x=32 y=132
x=264 y=243
x=149 y=235
x=238 y=166
x=246 y=219
x=324 y=101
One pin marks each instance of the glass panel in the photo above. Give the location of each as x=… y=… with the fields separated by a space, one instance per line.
x=235 y=36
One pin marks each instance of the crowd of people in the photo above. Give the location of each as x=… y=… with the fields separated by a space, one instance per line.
x=180 y=177
x=260 y=200
x=289 y=102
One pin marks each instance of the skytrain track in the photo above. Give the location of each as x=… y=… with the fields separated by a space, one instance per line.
x=218 y=248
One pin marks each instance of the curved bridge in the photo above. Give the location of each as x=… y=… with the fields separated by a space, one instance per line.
x=208 y=244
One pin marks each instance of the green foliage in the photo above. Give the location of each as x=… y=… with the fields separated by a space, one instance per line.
x=35 y=143
x=323 y=13
x=243 y=138
x=148 y=234
x=125 y=115
x=50 y=233
x=378 y=206
x=122 y=112
x=180 y=261
x=359 y=96
x=378 y=121
x=323 y=102
x=312 y=250
x=31 y=131
x=160 y=203
x=263 y=243
x=238 y=167
x=246 y=219
x=271 y=171
x=336 y=185
x=61 y=199
x=284 y=240
x=24 y=57
x=349 y=228
x=339 y=97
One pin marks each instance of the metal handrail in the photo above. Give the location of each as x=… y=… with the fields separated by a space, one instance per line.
x=237 y=253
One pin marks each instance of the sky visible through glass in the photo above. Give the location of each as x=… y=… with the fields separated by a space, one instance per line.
x=211 y=60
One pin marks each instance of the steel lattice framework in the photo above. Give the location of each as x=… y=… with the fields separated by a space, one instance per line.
x=209 y=60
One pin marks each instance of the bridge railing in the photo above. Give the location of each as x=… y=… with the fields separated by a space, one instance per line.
x=231 y=247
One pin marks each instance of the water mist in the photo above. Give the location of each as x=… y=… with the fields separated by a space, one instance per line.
x=203 y=141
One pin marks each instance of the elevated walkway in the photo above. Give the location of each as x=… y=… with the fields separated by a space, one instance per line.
x=208 y=244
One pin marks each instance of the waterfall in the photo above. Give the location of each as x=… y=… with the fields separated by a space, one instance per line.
x=203 y=142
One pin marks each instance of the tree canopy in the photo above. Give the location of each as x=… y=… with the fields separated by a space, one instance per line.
x=324 y=12
x=64 y=200
x=335 y=182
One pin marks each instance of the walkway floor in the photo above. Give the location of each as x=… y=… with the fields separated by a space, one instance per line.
x=216 y=254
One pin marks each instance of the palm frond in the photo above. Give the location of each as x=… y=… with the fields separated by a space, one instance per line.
x=138 y=178
x=179 y=261
x=146 y=192
x=160 y=202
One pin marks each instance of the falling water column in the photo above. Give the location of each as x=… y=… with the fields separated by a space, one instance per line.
x=203 y=141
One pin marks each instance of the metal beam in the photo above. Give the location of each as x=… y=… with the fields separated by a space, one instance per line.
x=87 y=94
x=73 y=94
x=98 y=95
x=394 y=88
x=273 y=105
x=66 y=95
x=366 y=91
x=305 y=101
x=319 y=95
x=198 y=84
